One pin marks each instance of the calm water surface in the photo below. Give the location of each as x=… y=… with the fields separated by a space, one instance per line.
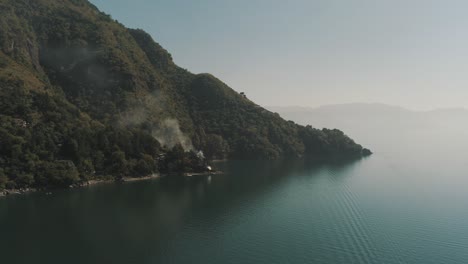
x=405 y=204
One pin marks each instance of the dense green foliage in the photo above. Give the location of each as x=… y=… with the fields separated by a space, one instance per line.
x=81 y=97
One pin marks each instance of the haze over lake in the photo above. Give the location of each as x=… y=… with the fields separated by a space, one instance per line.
x=137 y=132
x=404 y=204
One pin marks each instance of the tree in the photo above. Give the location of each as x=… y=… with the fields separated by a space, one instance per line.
x=86 y=168
x=175 y=159
x=3 y=179
x=119 y=164
x=61 y=173
x=142 y=168
x=215 y=147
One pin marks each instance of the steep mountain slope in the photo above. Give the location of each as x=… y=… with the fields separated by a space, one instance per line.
x=81 y=96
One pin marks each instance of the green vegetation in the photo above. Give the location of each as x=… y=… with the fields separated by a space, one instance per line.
x=83 y=97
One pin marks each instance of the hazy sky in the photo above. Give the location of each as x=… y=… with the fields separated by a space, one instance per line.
x=412 y=53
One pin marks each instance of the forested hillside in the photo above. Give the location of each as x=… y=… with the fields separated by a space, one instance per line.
x=82 y=97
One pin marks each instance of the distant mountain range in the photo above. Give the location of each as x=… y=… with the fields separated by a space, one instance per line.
x=382 y=126
x=369 y=113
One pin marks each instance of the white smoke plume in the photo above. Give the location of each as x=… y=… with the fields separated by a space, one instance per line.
x=200 y=155
x=169 y=134
x=143 y=109
x=133 y=117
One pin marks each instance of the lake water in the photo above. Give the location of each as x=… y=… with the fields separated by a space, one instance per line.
x=405 y=204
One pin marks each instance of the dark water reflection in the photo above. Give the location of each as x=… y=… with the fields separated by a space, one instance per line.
x=384 y=209
x=134 y=222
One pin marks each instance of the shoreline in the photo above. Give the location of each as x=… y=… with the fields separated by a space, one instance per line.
x=194 y=174
x=145 y=178
x=123 y=180
x=5 y=193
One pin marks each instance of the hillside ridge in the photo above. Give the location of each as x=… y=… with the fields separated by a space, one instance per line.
x=84 y=97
